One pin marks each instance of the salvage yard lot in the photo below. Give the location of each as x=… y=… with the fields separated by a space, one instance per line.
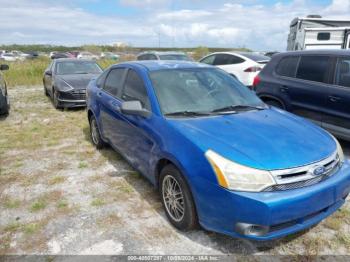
x=58 y=195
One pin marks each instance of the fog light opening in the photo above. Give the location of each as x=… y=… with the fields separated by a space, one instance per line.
x=251 y=229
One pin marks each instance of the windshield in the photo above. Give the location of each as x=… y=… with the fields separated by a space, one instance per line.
x=175 y=57
x=80 y=67
x=200 y=90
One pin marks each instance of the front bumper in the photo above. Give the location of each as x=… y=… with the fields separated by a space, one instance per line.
x=280 y=212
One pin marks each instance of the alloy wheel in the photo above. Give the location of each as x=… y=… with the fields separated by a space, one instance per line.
x=94 y=131
x=173 y=198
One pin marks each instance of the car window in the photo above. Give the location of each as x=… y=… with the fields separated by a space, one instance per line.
x=134 y=89
x=141 y=57
x=77 y=67
x=208 y=60
x=323 y=36
x=152 y=57
x=114 y=81
x=313 y=68
x=50 y=66
x=287 y=66
x=342 y=73
x=101 y=79
x=226 y=59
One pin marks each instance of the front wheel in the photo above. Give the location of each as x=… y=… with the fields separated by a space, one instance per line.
x=177 y=199
x=45 y=90
x=56 y=103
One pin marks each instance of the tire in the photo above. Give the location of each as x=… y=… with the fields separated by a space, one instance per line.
x=95 y=134
x=187 y=220
x=45 y=90
x=5 y=109
x=55 y=101
x=275 y=103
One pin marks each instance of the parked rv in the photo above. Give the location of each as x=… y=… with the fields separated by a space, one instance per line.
x=315 y=32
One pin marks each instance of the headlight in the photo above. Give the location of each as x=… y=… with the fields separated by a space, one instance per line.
x=339 y=151
x=234 y=176
x=64 y=86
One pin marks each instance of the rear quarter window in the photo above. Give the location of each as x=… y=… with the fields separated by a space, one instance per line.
x=287 y=66
x=314 y=68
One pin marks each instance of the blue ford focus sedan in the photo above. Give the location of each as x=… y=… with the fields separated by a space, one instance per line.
x=219 y=156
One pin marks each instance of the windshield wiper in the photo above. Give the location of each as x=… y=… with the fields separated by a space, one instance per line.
x=187 y=113
x=82 y=73
x=235 y=108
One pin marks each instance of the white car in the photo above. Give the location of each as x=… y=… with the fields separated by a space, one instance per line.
x=87 y=55
x=8 y=57
x=242 y=65
x=20 y=55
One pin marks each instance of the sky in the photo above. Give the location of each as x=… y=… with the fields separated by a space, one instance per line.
x=255 y=24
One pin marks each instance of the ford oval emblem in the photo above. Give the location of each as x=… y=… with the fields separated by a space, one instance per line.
x=320 y=170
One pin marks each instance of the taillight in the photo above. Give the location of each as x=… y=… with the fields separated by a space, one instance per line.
x=253 y=69
x=256 y=81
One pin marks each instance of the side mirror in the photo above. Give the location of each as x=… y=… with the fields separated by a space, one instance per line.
x=4 y=67
x=134 y=108
x=48 y=72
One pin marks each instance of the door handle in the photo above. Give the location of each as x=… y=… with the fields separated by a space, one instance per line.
x=284 y=89
x=116 y=107
x=334 y=98
x=99 y=94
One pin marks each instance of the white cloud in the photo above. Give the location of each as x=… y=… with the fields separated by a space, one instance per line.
x=145 y=3
x=233 y=24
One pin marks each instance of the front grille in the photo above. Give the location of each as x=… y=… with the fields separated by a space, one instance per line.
x=299 y=184
x=305 y=175
x=74 y=95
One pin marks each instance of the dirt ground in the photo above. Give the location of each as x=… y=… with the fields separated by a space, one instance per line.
x=58 y=195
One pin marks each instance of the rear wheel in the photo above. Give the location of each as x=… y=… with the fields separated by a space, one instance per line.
x=95 y=134
x=177 y=199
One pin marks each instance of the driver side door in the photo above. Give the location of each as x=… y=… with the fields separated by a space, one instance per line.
x=135 y=131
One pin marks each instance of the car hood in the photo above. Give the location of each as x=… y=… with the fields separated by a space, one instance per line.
x=77 y=81
x=269 y=139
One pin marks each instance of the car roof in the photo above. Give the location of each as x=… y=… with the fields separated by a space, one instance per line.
x=72 y=60
x=315 y=52
x=154 y=65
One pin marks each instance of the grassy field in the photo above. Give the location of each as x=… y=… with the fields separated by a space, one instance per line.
x=30 y=72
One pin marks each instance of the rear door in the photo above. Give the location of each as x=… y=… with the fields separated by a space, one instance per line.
x=337 y=118
x=307 y=91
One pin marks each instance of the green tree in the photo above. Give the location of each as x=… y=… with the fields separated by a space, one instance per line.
x=200 y=51
x=95 y=49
